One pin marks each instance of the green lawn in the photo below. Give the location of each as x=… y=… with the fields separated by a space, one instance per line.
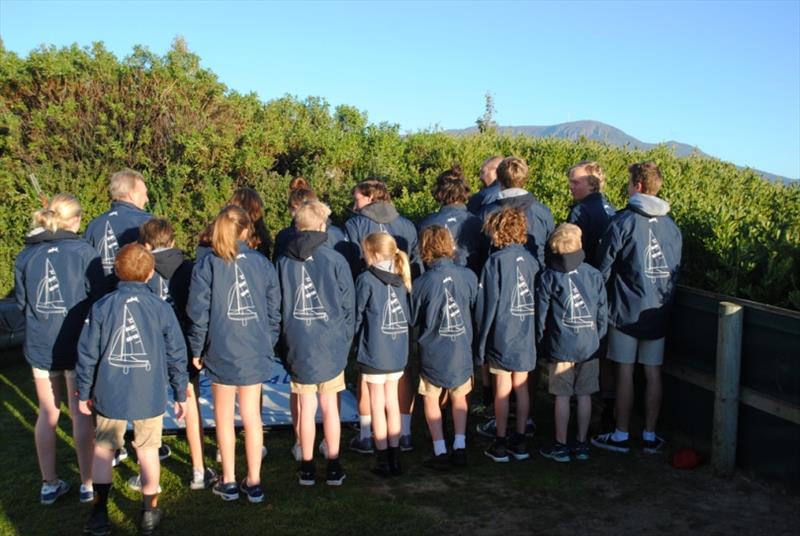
x=608 y=494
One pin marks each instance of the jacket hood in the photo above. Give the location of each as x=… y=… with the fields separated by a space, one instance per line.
x=388 y=278
x=648 y=205
x=168 y=261
x=566 y=262
x=521 y=200
x=303 y=244
x=380 y=212
x=39 y=235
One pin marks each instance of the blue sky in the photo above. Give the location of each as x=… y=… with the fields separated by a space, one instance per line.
x=724 y=76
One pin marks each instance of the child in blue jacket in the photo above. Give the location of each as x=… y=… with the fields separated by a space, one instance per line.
x=317 y=311
x=57 y=277
x=441 y=307
x=234 y=314
x=592 y=211
x=571 y=321
x=382 y=314
x=506 y=323
x=130 y=350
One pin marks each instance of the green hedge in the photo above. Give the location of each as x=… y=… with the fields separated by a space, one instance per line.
x=72 y=116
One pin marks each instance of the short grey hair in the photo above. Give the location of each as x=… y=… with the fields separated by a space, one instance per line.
x=122 y=182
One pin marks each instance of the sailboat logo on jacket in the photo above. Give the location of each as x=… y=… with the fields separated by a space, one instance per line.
x=127 y=346
x=655 y=265
x=522 y=298
x=394 y=319
x=48 y=293
x=452 y=324
x=307 y=305
x=241 y=307
x=108 y=248
x=576 y=313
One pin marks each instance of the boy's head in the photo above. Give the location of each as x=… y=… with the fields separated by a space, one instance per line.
x=489 y=170
x=512 y=172
x=645 y=178
x=134 y=263
x=156 y=233
x=312 y=216
x=566 y=239
x=585 y=178
x=451 y=188
x=506 y=227
x=436 y=242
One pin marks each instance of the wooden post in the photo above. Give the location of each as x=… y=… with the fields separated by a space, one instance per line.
x=726 y=395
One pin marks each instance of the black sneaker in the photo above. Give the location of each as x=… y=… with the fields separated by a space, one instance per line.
x=164 y=452
x=334 y=474
x=150 y=520
x=98 y=524
x=227 y=492
x=497 y=450
x=581 y=450
x=254 y=493
x=606 y=441
x=119 y=456
x=458 y=457
x=558 y=452
x=530 y=429
x=307 y=473
x=439 y=463
x=517 y=447
x=654 y=446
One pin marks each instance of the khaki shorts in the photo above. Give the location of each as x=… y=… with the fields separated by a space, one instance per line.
x=426 y=388
x=110 y=433
x=623 y=348
x=42 y=374
x=579 y=379
x=331 y=386
x=381 y=379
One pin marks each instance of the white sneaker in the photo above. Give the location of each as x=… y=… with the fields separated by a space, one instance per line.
x=51 y=492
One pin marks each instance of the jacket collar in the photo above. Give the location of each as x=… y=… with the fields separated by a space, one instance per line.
x=567 y=262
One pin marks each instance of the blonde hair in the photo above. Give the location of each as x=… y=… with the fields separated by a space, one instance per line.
x=157 y=233
x=595 y=176
x=512 y=172
x=60 y=209
x=436 y=242
x=566 y=239
x=506 y=227
x=383 y=245
x=123 y=182
x=226 y=230
x=310 y=215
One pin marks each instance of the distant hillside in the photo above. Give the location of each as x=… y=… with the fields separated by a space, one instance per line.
x=597 y=131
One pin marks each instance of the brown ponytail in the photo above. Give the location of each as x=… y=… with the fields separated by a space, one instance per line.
x=300 y=192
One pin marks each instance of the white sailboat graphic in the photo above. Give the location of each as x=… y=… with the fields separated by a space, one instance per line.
x=108 y=248
x=307 y=305
x=522 y=299
x=127 y=345
x=240 y=302
x=394 y=319
x=576 y=313
x=163 y=289
x=452 y=324
x=655 y=265
x=48 y=294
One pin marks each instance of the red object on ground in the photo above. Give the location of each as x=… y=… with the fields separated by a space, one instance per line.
x=687 y=458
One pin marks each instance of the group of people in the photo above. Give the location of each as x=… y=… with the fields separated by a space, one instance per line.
x=487 y=281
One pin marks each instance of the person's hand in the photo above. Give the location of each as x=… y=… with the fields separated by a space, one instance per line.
x=85 y=407
x=180 y=410
x=197 y=362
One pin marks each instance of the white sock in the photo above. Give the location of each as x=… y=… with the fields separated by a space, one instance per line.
x=405 y=420
x=439 y=447
x=366 y=426
x=648 y=436
x=460 y=442
x=619 y=435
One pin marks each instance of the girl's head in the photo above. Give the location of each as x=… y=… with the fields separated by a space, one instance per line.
x=156 y=233
x=230 y=225
x=566 y=239
x=300 y=192
x=379 y=247
x=506 y=227
x=63 y=212
x=451 y=188
x=369 y=191
x=312 y=216
x=251 y=202
x=436 y=242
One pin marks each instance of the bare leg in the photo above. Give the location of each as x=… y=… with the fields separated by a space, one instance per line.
x=433 y=414
x=294 y=408
x=250 y=409
x=584 y=416
x=224 y=402
x=502 y=391
x=194 y=427
x=49 y=394
x=562 y=418
x=364 y=406
x=404 y=395
x=459 y=407
x=653 y=390
x=393 y=425
x=82 y=432
x=308 y=424
x=624 y=395
x=378 y=410
x=519 y=381
x=150 y=467
x=101 y=465
x=332 y=426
